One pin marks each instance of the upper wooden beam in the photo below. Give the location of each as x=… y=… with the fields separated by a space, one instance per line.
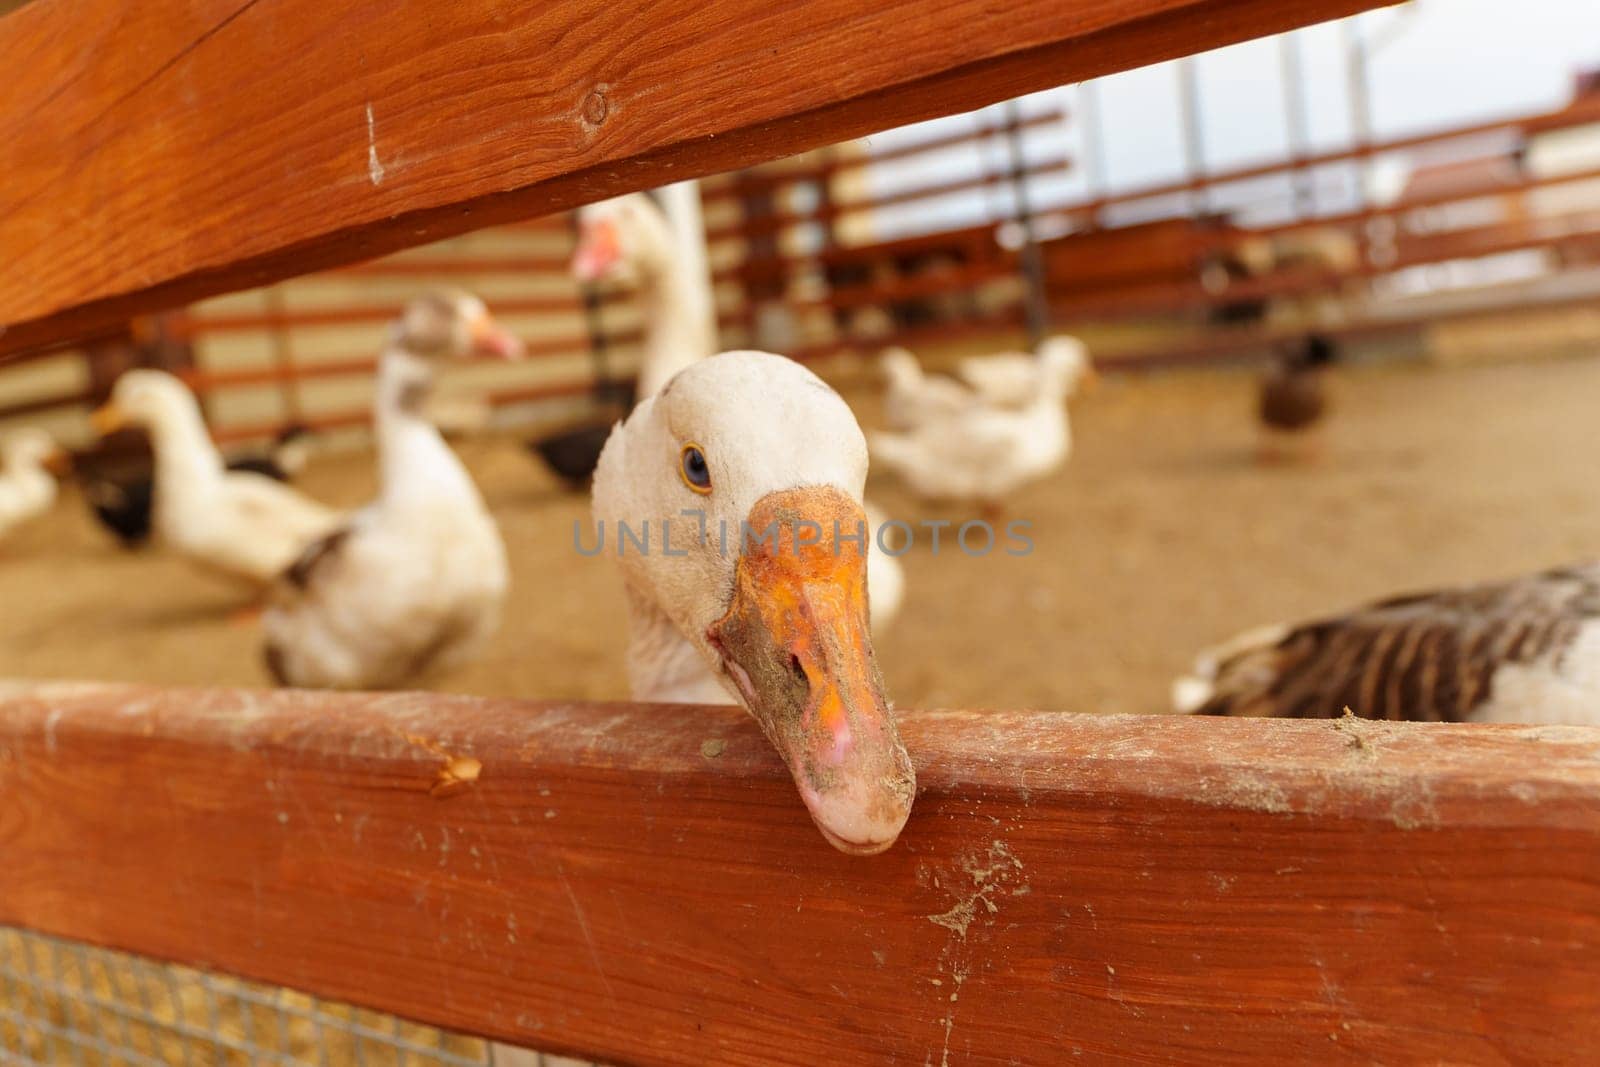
x=641 y=885
x=161 y=151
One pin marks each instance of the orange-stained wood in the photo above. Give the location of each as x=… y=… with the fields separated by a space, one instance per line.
x=163 y=151
x=640 y=884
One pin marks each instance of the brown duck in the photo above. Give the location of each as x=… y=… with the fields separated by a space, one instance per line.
x=1294 y=392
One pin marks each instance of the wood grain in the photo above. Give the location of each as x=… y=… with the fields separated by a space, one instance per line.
x=164 y=151
x=639 y=884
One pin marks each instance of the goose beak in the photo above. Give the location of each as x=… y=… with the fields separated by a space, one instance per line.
x=108 y=419
x=796 y=644
x=599 y=250
x=490 y=340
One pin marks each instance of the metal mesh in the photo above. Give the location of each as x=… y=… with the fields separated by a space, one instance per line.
x=62 y=1002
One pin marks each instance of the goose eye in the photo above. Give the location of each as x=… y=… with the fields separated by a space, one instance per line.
x=696 y=475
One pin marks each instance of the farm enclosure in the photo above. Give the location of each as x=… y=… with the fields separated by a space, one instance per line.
x=1054 y=860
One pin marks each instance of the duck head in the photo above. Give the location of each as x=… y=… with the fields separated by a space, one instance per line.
x=626 y=239
x=1066 y=367
x=747 y=470
x=147 y=399
x=451 y=324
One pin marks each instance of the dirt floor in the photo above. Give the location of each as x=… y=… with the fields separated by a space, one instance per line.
x=1162 y=535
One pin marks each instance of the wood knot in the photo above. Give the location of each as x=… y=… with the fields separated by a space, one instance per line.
x=595 y=107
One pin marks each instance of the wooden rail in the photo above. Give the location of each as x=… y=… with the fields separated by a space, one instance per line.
x=165 y=151
x=1579 y=114
x=766 y=181
x=640 y=885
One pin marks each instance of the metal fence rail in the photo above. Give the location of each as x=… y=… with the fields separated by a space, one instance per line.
x=63 y=1002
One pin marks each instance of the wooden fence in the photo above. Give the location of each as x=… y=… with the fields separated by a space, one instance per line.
x=638 y=884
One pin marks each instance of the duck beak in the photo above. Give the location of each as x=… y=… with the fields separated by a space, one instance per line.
x=108 y=419
x=58 y=462
x=1088 y=381
x=490 y=340
x=796 y=644
x=599 y=250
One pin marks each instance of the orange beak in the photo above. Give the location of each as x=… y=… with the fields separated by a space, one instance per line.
x=796 y=643
x=1088 y=381
x=599 y=251
x=58 y=462
x=490 y=340
x=107 y=420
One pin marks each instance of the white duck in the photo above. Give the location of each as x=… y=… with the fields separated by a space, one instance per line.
x=240 y=523
x=413 y=583
x=1002 y=380
x=630 y=240
x=1012 y=379
x=911 y=396
x=27 y=488
x=983 y=451
x=747 y=441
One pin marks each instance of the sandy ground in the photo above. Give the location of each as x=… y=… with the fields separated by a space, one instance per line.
x=1161 y=536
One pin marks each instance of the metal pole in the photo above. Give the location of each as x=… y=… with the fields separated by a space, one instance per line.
x=1359 y=91
x=1193 y=134
x=1036 y=302
x=1297 y=120
x=1092 y=144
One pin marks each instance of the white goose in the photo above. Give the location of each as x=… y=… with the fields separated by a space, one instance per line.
x=630 y=240
x=414 y=582
x=912 y=396
x=1002 y=380
x=983 y=451
x=240 y=523
x=751 y=441
x=27 y=488
x=1012 y=379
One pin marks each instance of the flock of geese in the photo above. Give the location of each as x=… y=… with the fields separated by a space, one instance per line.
x=414 y=583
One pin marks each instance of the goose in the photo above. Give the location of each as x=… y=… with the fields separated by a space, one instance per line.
x=238 y=523
x=983 y=451
x=27 y=486
x=723 y=468
x=629 y=240
x=1005 y=380
x=1294 y=399
x=912 y=396
x=1525 y=650
x=122 y=493
x=412 y=584
x=1012 y=379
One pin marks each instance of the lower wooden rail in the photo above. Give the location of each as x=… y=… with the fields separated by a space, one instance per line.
x=639 y=884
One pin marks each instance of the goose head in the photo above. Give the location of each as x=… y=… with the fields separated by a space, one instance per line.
x=450 y=324
x=1065 y=367
x=626 y=239
x=147 y=399
x=900 y=367
x=743 y=468
x=440 y=326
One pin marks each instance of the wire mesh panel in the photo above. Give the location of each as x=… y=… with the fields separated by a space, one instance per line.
x=62 y=1002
